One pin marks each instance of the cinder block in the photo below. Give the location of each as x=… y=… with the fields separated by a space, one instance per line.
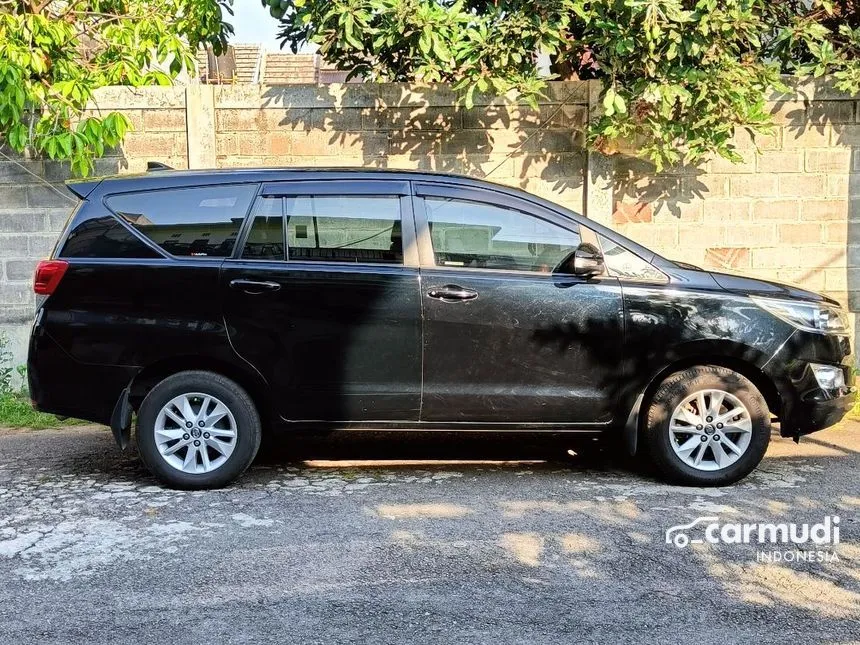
x=721 y=165
x=836 y=160
x=17 y=314
x=39 y=245
x=16 y=293
x=20 y=171
x=824 y=209
x=14 y=197
x=722 y=210
x=776 y=256
x=20 y=269
x=822 y=256
x=745 y=234
x=801 y=234
x=846 y=135
x=164 y=119
x=776 y=209
x=13 y=246
x=710 y=186
x=503 y=117
x=23 y=221
x=753 y=186
x=705 y=235
x=792 y=185
x=552 y=166
x=744 y=140
x=806 y=136
x=54 y=196
x=776 y=161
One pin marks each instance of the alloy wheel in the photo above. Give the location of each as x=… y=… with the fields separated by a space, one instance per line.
x=710 y=430
x=195 y=433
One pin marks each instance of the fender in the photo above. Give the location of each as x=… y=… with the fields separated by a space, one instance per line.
x=741 y=358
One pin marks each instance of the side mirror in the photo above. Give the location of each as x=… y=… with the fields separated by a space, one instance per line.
x=586 y=261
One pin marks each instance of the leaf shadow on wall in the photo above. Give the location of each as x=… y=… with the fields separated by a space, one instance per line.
x=409 y=127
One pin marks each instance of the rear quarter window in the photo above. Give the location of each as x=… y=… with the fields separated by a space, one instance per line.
x=188 y=222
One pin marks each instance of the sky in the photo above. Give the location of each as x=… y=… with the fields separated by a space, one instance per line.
x=254 y=25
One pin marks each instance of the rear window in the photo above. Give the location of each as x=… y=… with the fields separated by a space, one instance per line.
x=105 y=237
x=188 y=222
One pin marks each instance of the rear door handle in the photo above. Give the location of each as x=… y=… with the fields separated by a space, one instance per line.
x=254 y=286
x=451 y=293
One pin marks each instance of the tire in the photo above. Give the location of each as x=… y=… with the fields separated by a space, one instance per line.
x=159 y=430
x=729 y=452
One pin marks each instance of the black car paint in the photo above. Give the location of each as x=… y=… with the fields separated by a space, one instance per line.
x=551 y=352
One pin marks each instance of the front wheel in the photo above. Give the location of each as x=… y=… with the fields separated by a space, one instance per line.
x=197 y=429
x=707 y=426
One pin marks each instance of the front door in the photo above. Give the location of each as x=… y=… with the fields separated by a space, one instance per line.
x=505 y=339
x=323 y=299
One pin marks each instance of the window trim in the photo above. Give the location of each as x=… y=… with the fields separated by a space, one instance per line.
x=489 y=198
x=333 y=188
x=164 y=252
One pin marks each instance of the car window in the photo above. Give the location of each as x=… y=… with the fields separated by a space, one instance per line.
x=105 y=237
x=622 y=263
x=344 y=228
x=477 y=235
x=192 y=222
x=266 y=237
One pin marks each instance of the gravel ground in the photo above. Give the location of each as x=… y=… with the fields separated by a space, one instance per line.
x=498 y=540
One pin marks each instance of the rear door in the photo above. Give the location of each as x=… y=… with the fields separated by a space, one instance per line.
x=323 y=298
x=505 y=339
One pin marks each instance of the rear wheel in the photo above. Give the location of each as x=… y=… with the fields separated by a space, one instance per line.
x=707 y=426
x=197 y=429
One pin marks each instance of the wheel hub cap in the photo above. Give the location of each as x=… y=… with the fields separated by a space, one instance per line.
x=183 y=445
x=693 y=430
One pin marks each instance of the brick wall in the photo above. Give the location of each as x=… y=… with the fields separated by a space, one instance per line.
x=789 y=212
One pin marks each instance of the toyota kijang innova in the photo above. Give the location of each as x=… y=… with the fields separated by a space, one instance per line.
x=216 y=305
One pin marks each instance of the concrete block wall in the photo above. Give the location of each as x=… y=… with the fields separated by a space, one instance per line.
x=789 y=212
x=35 y=204
x=395 y=126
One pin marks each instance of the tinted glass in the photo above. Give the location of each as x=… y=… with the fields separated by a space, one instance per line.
x=349 y=228
x=621 y=263
x=104 y=237
x=475 y=235
x=266 y=237
x=195 y=222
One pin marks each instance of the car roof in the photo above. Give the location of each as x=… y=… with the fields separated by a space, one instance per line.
x=168 y=176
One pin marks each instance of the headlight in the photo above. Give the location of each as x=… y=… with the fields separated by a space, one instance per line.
x=808 y=316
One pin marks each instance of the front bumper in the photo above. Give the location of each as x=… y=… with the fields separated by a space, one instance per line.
x=817 y=411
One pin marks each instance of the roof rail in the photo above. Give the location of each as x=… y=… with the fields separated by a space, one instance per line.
x=156 y=165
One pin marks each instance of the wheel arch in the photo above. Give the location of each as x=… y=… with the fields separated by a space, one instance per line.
x=250 y=381
x=737 y=357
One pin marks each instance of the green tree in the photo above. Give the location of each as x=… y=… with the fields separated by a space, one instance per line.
x=679 y=75
x=55 y=53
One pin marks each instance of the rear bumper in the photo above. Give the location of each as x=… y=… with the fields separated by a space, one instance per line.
x=61 y=385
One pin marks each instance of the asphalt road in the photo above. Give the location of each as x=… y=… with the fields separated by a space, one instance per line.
x=471 y=550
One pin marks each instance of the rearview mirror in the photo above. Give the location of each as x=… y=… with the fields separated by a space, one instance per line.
x=586 y=261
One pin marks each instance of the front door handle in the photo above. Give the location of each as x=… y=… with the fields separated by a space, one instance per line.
x=254 y=286
x=452 y=293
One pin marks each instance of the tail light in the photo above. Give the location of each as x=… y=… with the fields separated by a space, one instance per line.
x=48 y=276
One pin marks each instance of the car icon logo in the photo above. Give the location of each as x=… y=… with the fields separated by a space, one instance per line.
x=677 y=534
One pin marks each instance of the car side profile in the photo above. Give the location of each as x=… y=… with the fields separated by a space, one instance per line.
x=216 y=305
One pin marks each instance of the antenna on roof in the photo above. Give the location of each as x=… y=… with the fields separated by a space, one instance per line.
x=156 y=165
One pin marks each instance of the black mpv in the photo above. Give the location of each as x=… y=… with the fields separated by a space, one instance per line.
x=219 y=304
